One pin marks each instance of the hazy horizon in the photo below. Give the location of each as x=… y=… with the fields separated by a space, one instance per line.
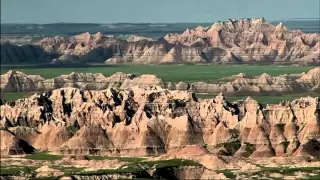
x=146 y=11
x=296 y=19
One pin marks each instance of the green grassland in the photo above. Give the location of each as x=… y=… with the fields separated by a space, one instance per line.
x=135 y=165
x=123 y=159
x=43 y=156
x=142 y=166
x=171 y=73
x=15 y=170
x=168 y=73
x=13 y=96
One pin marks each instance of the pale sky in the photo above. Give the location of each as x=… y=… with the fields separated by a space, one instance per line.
x=153 y=11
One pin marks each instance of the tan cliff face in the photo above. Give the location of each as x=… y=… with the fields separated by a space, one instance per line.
x=241 y=84
x=236 y=41
x=153 y=121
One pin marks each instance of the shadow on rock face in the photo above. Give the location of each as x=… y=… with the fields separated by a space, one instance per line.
x=28 y=149
x=312 y=147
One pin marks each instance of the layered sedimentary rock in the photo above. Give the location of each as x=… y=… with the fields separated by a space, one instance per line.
x=153 y=121
x=241 y=84
x=12 y=54
x=235 y=41
x=10 y=144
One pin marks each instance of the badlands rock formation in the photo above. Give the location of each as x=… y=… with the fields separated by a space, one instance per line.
x=12 y=54
x=154 y=121
x=241 y=84
x=243 y=41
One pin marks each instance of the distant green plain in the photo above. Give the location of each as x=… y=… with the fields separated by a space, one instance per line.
x=168 y=73
x=172 y=73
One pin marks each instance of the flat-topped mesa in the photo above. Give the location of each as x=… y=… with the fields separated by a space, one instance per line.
x=153 y=121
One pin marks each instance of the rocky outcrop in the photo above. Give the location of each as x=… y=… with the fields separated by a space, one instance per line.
x=152 y=121
x=134 y=38
x=11 y=145
x=13 y=54
x=46 y=171
x=16 y=81
x=241 y=84
x=235 y=41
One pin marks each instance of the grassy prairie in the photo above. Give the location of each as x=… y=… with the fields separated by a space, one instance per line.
x=43 y=156
x=13 y=96
x=172 y=73
x=15 y=170
x=124 y=159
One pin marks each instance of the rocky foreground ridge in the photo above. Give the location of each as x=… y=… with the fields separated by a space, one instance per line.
x=236 y=41
x=241 y=84
x=156 y=121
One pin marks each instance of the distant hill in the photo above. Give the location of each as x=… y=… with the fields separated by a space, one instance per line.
x=235 y=41
x=154 y=30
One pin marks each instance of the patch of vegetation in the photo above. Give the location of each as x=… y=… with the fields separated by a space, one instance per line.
x=228 y=173
x=235 y=133
x=170 y=163
x=72 y=129
x=281 y=127
x=286 y=170
x=134 y=167
x=250 y=148
x=171 y=72
x=286 y=144
x=123 y=159
x=316 y=177
x=43 y=156
x=205 y=146
x=12 y=96
x=44 y=178
x=16 y=170
x=232 y=147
